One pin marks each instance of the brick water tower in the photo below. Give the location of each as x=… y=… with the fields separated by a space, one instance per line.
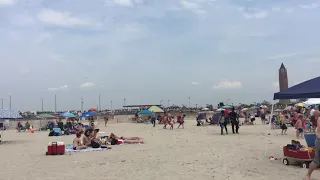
x=283 y=82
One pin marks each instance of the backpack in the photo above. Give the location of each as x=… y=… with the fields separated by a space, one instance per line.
x=222 y=120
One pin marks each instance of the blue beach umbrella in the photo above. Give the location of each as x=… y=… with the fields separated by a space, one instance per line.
x=88 y=114
x=145 y=112
x=67 y=114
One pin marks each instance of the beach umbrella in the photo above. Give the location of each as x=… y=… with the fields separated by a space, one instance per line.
x=92 y=109
x=244 y=109
x=67 y=114
x=155 y=109
x=88 y=114
x=300 y=105
x=46 y=116
x=254 y=107
x=145 y=112
x=205 y=109
x=221 y=109
x=226 y=107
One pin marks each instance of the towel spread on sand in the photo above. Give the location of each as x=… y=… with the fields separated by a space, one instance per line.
x=86 y=150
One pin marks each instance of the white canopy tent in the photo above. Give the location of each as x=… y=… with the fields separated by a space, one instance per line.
x=312 y=101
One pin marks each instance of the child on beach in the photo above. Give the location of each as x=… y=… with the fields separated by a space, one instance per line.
x=181 y=121
x=308 y=124
x=171 y=122
x=299 y=127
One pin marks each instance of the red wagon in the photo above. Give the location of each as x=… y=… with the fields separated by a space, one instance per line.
x=291 y=155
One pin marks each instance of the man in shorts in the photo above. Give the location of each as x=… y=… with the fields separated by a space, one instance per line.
x=315 y=163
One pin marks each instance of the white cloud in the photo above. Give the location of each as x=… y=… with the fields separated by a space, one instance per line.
x=228 y=85
x=289 y=10
x=275 y=9
x=310 y=6
x=64 y=87
x=7 y=2
x=59 y=18
x=253 y=13
x=124 y=2
x=193 y=6
x=195 y=83
x=87 y=85
x=287 y=55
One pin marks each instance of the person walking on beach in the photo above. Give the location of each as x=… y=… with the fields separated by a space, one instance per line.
x=223 y=122
x=154 y=119
x=316 y=161
x=234 y=122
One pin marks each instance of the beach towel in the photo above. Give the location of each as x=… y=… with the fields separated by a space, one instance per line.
x=85 y=150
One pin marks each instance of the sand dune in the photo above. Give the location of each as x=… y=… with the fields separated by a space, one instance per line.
x=192 y=153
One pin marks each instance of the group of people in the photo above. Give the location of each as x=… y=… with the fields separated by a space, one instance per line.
x=229 y=117
x=168 y=119
x=89 y=138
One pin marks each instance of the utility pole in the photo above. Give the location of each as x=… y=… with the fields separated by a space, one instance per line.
x=196 y=106
x=81 y=104
x=124 y=102
x=111 y=105
x=55 y=103
x=41 y=104
x=189 y=103
x=99 y=102
x=168 y=103
x=1 y=103
x=10 y=101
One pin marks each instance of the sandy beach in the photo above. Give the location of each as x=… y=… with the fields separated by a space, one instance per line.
x=190 y=153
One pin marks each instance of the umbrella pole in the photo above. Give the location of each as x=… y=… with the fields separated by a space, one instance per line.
x=270 y=127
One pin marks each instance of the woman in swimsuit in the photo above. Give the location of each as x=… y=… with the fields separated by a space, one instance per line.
x=77 y=145
x=113 y=139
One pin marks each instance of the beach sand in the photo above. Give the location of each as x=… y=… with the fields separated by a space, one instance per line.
x=188 y=154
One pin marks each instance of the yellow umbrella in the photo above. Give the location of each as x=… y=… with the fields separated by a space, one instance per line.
x=156 y=109
x=300 y=105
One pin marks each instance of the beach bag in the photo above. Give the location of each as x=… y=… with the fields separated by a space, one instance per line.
x=94 y=144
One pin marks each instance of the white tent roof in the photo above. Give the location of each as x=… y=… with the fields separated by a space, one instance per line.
x=312 y=101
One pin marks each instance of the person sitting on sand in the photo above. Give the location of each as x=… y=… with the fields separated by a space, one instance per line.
x=87 y=137
x=113 y=139
x=77 y=145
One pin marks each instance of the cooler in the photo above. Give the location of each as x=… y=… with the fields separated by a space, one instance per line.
x=56 y=148
x=310 y=139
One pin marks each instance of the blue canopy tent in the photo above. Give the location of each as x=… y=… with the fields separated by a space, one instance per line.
x=145 y=112
x=307 y=89
x=88 y=114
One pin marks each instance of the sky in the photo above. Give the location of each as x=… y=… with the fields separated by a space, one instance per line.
x=152 y=51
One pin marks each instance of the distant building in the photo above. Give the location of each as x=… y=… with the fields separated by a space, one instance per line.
x=283 y=82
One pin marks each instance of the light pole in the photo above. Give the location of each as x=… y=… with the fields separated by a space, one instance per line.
x=55 y=103
x=227 y=101
x=189 y=103
x=81 y=104
x=111 y=105
x=168 y=103
x=99 y=103
x=124 y=102
x=42 y=104
x=161 y=102
x=196 y=106
x=2 y=103
x=10 y=101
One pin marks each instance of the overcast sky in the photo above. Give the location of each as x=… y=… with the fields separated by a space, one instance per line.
x=152 y=50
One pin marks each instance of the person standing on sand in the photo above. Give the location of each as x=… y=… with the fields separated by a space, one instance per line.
x=106 y=119
x=222 y=122
x=316 y=161
x=234 y=122
x=153 y=119
x=262 y=116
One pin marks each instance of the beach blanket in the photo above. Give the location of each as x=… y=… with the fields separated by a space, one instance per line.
x=85 y=150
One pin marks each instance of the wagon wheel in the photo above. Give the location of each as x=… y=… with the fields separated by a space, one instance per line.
x=285 y=161
x=305 y=165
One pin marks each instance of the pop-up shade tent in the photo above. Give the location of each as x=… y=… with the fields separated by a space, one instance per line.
x=307 y=89
x=312 y=101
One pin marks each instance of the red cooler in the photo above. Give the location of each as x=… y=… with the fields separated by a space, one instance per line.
x=56 y=148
